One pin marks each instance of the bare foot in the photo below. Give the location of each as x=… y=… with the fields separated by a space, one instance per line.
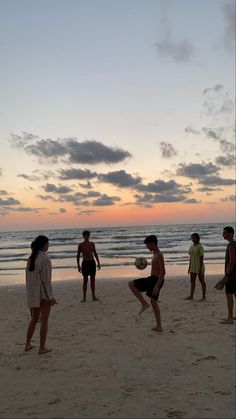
x=188 y=298
x=44 y=351
x=95 y=299
x=144 y=307
x=157 y=329
x=227 y=321
x=28 y=347
x=83 y=301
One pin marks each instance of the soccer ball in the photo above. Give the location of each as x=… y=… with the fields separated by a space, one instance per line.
x=141 y=263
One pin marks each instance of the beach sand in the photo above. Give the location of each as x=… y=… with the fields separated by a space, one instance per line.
x=106 y=363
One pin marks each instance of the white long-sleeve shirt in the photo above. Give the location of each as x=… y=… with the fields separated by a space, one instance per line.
x=38 y=282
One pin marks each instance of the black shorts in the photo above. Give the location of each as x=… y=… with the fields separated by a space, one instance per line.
x=88 y=267
x=147 y=284
x=230 y=287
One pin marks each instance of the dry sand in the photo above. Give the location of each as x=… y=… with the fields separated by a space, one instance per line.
x=105 y=363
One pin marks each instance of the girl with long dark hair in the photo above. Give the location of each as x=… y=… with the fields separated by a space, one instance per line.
x=39 y=291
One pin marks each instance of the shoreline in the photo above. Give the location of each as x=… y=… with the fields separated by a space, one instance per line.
x=177 y=277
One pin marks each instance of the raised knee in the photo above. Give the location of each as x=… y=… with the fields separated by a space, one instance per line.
x=131 y=284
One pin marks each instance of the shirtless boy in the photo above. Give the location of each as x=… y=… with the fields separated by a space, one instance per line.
x=88 y=251
x=153 y=283
x=229 y=279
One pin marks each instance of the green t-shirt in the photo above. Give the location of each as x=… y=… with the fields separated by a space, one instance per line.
x=195 y=252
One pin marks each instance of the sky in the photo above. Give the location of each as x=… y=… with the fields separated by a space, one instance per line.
x=116 y=112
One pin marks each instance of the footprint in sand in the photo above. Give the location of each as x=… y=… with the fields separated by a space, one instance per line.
x=175 y=414
x=223 y=393
x=207 y=358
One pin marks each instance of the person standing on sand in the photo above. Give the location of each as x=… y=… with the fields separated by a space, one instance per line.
x=229 y=279
x=153 y=283
x=39 y=291
x=196 y=266
x=88 y=251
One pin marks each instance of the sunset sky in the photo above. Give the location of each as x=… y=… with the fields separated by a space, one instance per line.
x=116 y=112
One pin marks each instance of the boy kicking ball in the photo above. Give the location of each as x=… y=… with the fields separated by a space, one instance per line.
x=153 y=283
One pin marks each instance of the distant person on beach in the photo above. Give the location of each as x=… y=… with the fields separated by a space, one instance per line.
x=88 y=251
x=153 y=283
x=39 y=291
x=229 y=279
x=196 y=266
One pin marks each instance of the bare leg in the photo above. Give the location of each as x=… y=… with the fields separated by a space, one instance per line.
x=85 y=282
x=157 y=313
x=92 y=283
x=45 y=311
x=193 y=284
x=201 y=278
x=139 y=296
x=230 y=306
x=35 y=312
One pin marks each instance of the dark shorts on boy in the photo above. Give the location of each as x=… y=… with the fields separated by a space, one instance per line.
x=88 y=267
x=148 y=284
x=230 y=286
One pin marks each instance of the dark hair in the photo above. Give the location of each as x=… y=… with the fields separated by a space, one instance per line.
x=196 y=235
x=86 y=233
x=229 y=229
x=36 y=245
x=151 y=239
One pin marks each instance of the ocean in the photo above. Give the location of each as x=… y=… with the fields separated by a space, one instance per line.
x=117 y=248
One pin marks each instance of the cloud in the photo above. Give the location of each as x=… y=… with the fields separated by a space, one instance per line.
x=228 y=10
x=49 y=198
x=70 y=150
x=0 y=172
x=9 y=201
x=230 y=198
x=215 y=89
x=86 y=212
x=217 y=102
x=27 y=209
x=196 y=170
x=62 y=210
x=228 y=160
x=50 y=188
x=31 y=178
x=180 y=51
x=227 y=146
x=213 y=133
x=120 y=178
x=191 y=201
x=2 y=192
x=73 y=173
x=160 y=186
x=161 y=191
x=208 y=189
x=191 y=130
x=217 y=181
x=106 y=200
x=87 y=185
x=148 y=199
x=167 y=150
x=21 y=141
